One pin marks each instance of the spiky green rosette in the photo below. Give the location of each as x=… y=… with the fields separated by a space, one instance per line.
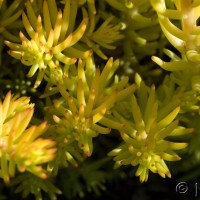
x=49 y=38
x=148 y=138
x=80 y=110
x=55 y=43
x=21 y=146
x=185 y=38
x=103 y=31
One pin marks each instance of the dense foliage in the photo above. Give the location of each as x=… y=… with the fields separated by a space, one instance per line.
x=111 y=83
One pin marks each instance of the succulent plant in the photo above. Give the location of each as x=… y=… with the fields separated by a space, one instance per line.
x=97 y=84
x=21 y=146
x=79 y=115
x=148 y=139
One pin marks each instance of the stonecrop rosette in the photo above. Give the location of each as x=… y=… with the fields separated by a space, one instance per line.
x=79 y=113
x=98 y=35
x=21 y=146
x=147 y=141
x=180 y=27
x=49 y=39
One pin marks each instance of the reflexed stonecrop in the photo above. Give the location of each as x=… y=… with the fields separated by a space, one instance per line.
x=20 y=146
x=50 y=42
x=84 y=104
x=103 y=29
x=148 y=139
x=56 y=39
x=179 y=24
